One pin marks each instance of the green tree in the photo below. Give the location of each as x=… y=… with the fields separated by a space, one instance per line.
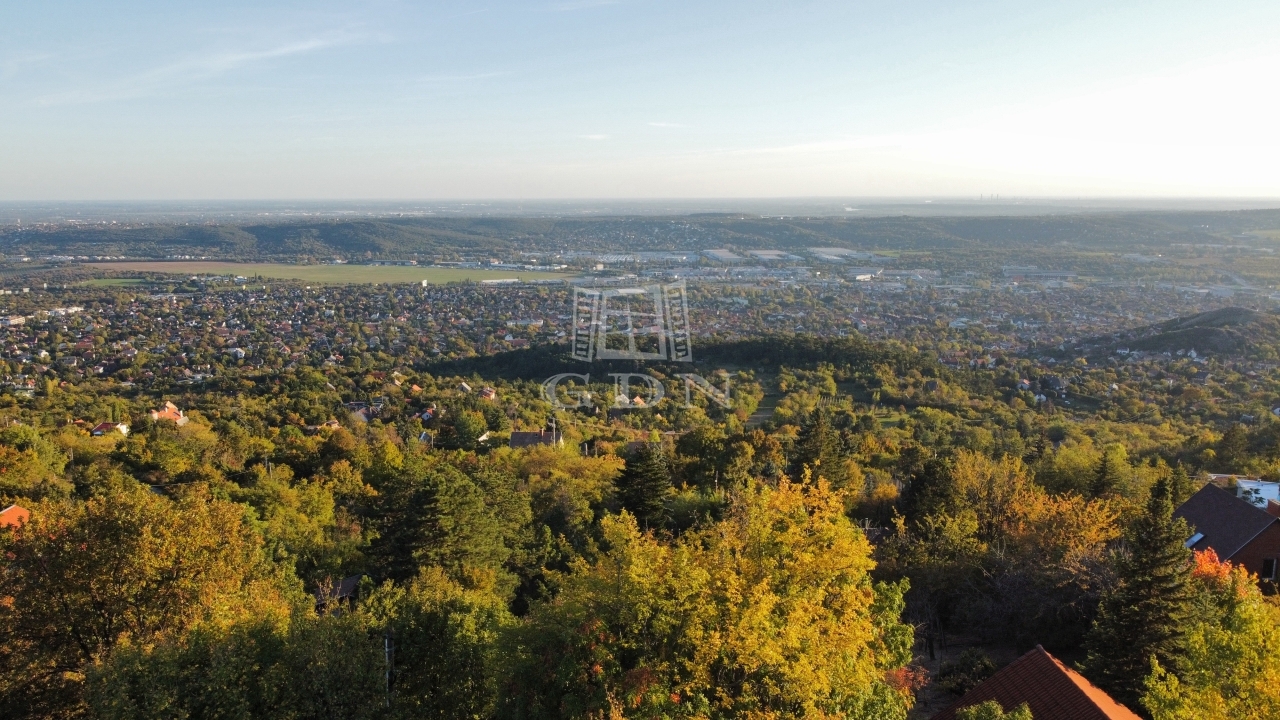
x=1232 y=448
x=309 y=666
x=1180 y=486
x=210 y=672
x=300 y=523
x=468 y=427
x=818 y=446
x=991 y=710
x=1111 y=474
x=128 y=566
x=645 y=485
x=445 y=637
x=1231 y=669
x=331 y=668
x=254 y=669
x=30 y=465
x=1143 y=616
x=768 y=613
x=430 y=513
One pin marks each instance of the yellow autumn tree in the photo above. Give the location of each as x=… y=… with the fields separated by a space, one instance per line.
x=769 y=613
x=127 y=567
x=1231 y=666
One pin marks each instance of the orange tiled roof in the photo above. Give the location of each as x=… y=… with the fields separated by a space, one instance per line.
x=1052 y=690
x=14 y=516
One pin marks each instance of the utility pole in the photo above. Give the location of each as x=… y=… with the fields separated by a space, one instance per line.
x=389 y=655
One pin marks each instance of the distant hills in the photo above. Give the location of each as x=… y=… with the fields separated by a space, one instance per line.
x=403 y=237
x=1231 y=331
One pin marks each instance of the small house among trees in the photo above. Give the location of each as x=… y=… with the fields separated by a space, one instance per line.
x=521 y=439
x=109 y=427
x=1234 y=528
x=170 y=412
x=333 y=595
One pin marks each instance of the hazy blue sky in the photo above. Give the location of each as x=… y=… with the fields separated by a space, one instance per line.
x=637 y=98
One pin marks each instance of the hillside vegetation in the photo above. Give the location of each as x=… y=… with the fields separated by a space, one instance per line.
x=1232 y=331
x=390 y=237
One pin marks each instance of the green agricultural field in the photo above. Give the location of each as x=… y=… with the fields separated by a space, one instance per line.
x=342 y=274
x=112 y=282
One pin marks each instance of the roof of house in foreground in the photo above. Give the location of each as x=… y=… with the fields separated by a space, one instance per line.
x=1052 y=690
x=1226 y=522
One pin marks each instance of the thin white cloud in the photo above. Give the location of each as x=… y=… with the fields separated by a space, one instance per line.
x=11 y=66
x=580 y=5
x=185 y=71
x=447 y=79
x=465 y=14
x=594 y=137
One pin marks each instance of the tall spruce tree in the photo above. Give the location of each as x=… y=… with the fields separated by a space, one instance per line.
x=1109 y=475
x=1142 y=616
x=1180 y=486
x=818 y=446
x=1232 y=448
x=645 y=484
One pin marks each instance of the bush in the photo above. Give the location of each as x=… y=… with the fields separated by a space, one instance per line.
x=972 y=667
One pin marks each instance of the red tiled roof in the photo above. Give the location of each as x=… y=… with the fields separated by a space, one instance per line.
x=1052 y=690
x=14 y=516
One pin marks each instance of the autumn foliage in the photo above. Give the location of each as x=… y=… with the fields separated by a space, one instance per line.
x=770 y=613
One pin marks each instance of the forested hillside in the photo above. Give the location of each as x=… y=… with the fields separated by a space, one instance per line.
x=368 y=539
x=405 y=237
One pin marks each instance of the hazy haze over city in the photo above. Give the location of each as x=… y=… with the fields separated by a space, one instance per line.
x=601 y=99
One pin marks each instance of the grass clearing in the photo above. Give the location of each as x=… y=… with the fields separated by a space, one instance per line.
x=112 y=282
x=335 y=274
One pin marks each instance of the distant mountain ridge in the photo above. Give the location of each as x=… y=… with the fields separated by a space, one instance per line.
x=399 y=237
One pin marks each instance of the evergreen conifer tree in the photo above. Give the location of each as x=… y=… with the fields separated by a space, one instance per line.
x=1109 y=475
x=1232 y=447
x=1180 y=486
x=818 y=446
x=1142 y=616
x=645 y=484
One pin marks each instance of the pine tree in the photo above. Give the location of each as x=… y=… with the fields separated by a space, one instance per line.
x=1180 y=486
x=1143 y=615
x=645 y=484
x=433 y=517
x=818 y=446
x=1109 y=475
x=1232 y=447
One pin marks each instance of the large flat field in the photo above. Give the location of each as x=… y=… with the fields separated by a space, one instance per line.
x=339 y=274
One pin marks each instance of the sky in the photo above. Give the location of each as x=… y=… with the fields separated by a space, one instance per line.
x=134 y=100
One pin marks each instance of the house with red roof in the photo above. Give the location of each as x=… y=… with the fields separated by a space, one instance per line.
x=14 y=517
x=170 y=412
x=106 y=428
x=1052 y=690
